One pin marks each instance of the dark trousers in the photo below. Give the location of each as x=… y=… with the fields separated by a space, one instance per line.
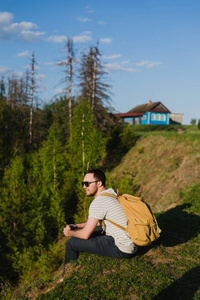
x=98 y=243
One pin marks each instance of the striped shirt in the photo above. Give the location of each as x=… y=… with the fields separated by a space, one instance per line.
x=105 y=207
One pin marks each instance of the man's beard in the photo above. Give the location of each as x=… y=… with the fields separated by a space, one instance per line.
x=92 y=194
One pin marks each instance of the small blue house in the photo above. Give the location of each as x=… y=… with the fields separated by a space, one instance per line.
x=154 y=113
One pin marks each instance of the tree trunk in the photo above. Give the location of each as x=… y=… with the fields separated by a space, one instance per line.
x=31 y=105
x=94 y=79
x=70 y=85
x=83 y=145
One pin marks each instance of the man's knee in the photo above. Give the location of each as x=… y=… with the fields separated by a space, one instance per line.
x=71 y=243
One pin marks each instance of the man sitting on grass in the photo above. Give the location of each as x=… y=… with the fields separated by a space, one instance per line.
x=88 y=237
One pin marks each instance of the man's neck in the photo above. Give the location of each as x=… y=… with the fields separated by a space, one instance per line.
x=101 y=189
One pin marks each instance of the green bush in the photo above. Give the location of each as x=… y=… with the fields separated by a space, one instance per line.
x=193 y=122
x=120 y=141
x=148 y=128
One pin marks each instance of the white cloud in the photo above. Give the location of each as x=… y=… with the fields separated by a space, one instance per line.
x=82 y=38
x=20 y=74
x=125 y=62
x=87 y=33
x=114 y=56
x=102 y=23
x=50 y=63
x=4 y=69
x=119 y=67
x=88 y=9
x=84 y=20
x=23 y=54
x=29 y=67
x=60 y=91
x=106 y=41
x=148 y=64
x=5 y=17
x=24 y=31
x=16 y=27
x=9 y=30
x=62 y=63
x=31 y=36
x=57 y=38
x=40 y=76
x=40 y=89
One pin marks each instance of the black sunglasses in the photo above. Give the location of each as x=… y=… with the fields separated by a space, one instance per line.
x=87 y=183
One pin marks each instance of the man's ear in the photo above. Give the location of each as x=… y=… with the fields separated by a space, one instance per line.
x=99 y=184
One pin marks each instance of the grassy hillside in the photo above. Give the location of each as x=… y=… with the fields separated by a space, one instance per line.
x=164 y=168
x=161 y=165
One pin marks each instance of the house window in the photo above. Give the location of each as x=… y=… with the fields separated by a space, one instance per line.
x=144 y=117
x=137 y=122
x=163 y=117
x=158 y=117
x=128 y=120
x=153 y=117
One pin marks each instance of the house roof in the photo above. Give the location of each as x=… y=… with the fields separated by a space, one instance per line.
x=133 y=114
x=150 y=106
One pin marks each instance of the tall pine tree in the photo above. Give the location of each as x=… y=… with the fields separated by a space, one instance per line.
x=85 y=150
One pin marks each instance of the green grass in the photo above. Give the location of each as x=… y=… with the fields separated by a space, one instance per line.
x=168 y=269
x=181 y=132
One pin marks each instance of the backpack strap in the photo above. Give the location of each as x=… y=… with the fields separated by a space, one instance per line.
x=119 y=226
x=108 y=195
x=115 y=224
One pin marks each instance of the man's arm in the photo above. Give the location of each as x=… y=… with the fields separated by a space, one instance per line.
x=77 y=225
x=83 y=233
x=80 y=225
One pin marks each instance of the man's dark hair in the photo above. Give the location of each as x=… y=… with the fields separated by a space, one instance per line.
x=98 y=174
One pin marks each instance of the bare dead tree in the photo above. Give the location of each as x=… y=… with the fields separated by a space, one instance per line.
x=13 y=91
x=21 y=91
x=84 y=77
x=83 y=144
x=92 y=84
x=70 y=58
x=31 y=104
x=2 y=88
x=26 y=88
x=95 y=53
x=18 y=91
x=68 y=69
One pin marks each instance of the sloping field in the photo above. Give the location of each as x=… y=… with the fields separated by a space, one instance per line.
x=161 y=166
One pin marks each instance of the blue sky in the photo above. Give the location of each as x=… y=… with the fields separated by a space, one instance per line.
x=151 y=48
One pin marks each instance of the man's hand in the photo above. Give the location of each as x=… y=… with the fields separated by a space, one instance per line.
x=67 y=230
x=73 y=226
x=84 y=229
x=70 y=227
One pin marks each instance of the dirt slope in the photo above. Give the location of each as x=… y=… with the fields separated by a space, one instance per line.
x=162 y=167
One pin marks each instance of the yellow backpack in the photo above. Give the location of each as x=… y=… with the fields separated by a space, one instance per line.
x=142 y=225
